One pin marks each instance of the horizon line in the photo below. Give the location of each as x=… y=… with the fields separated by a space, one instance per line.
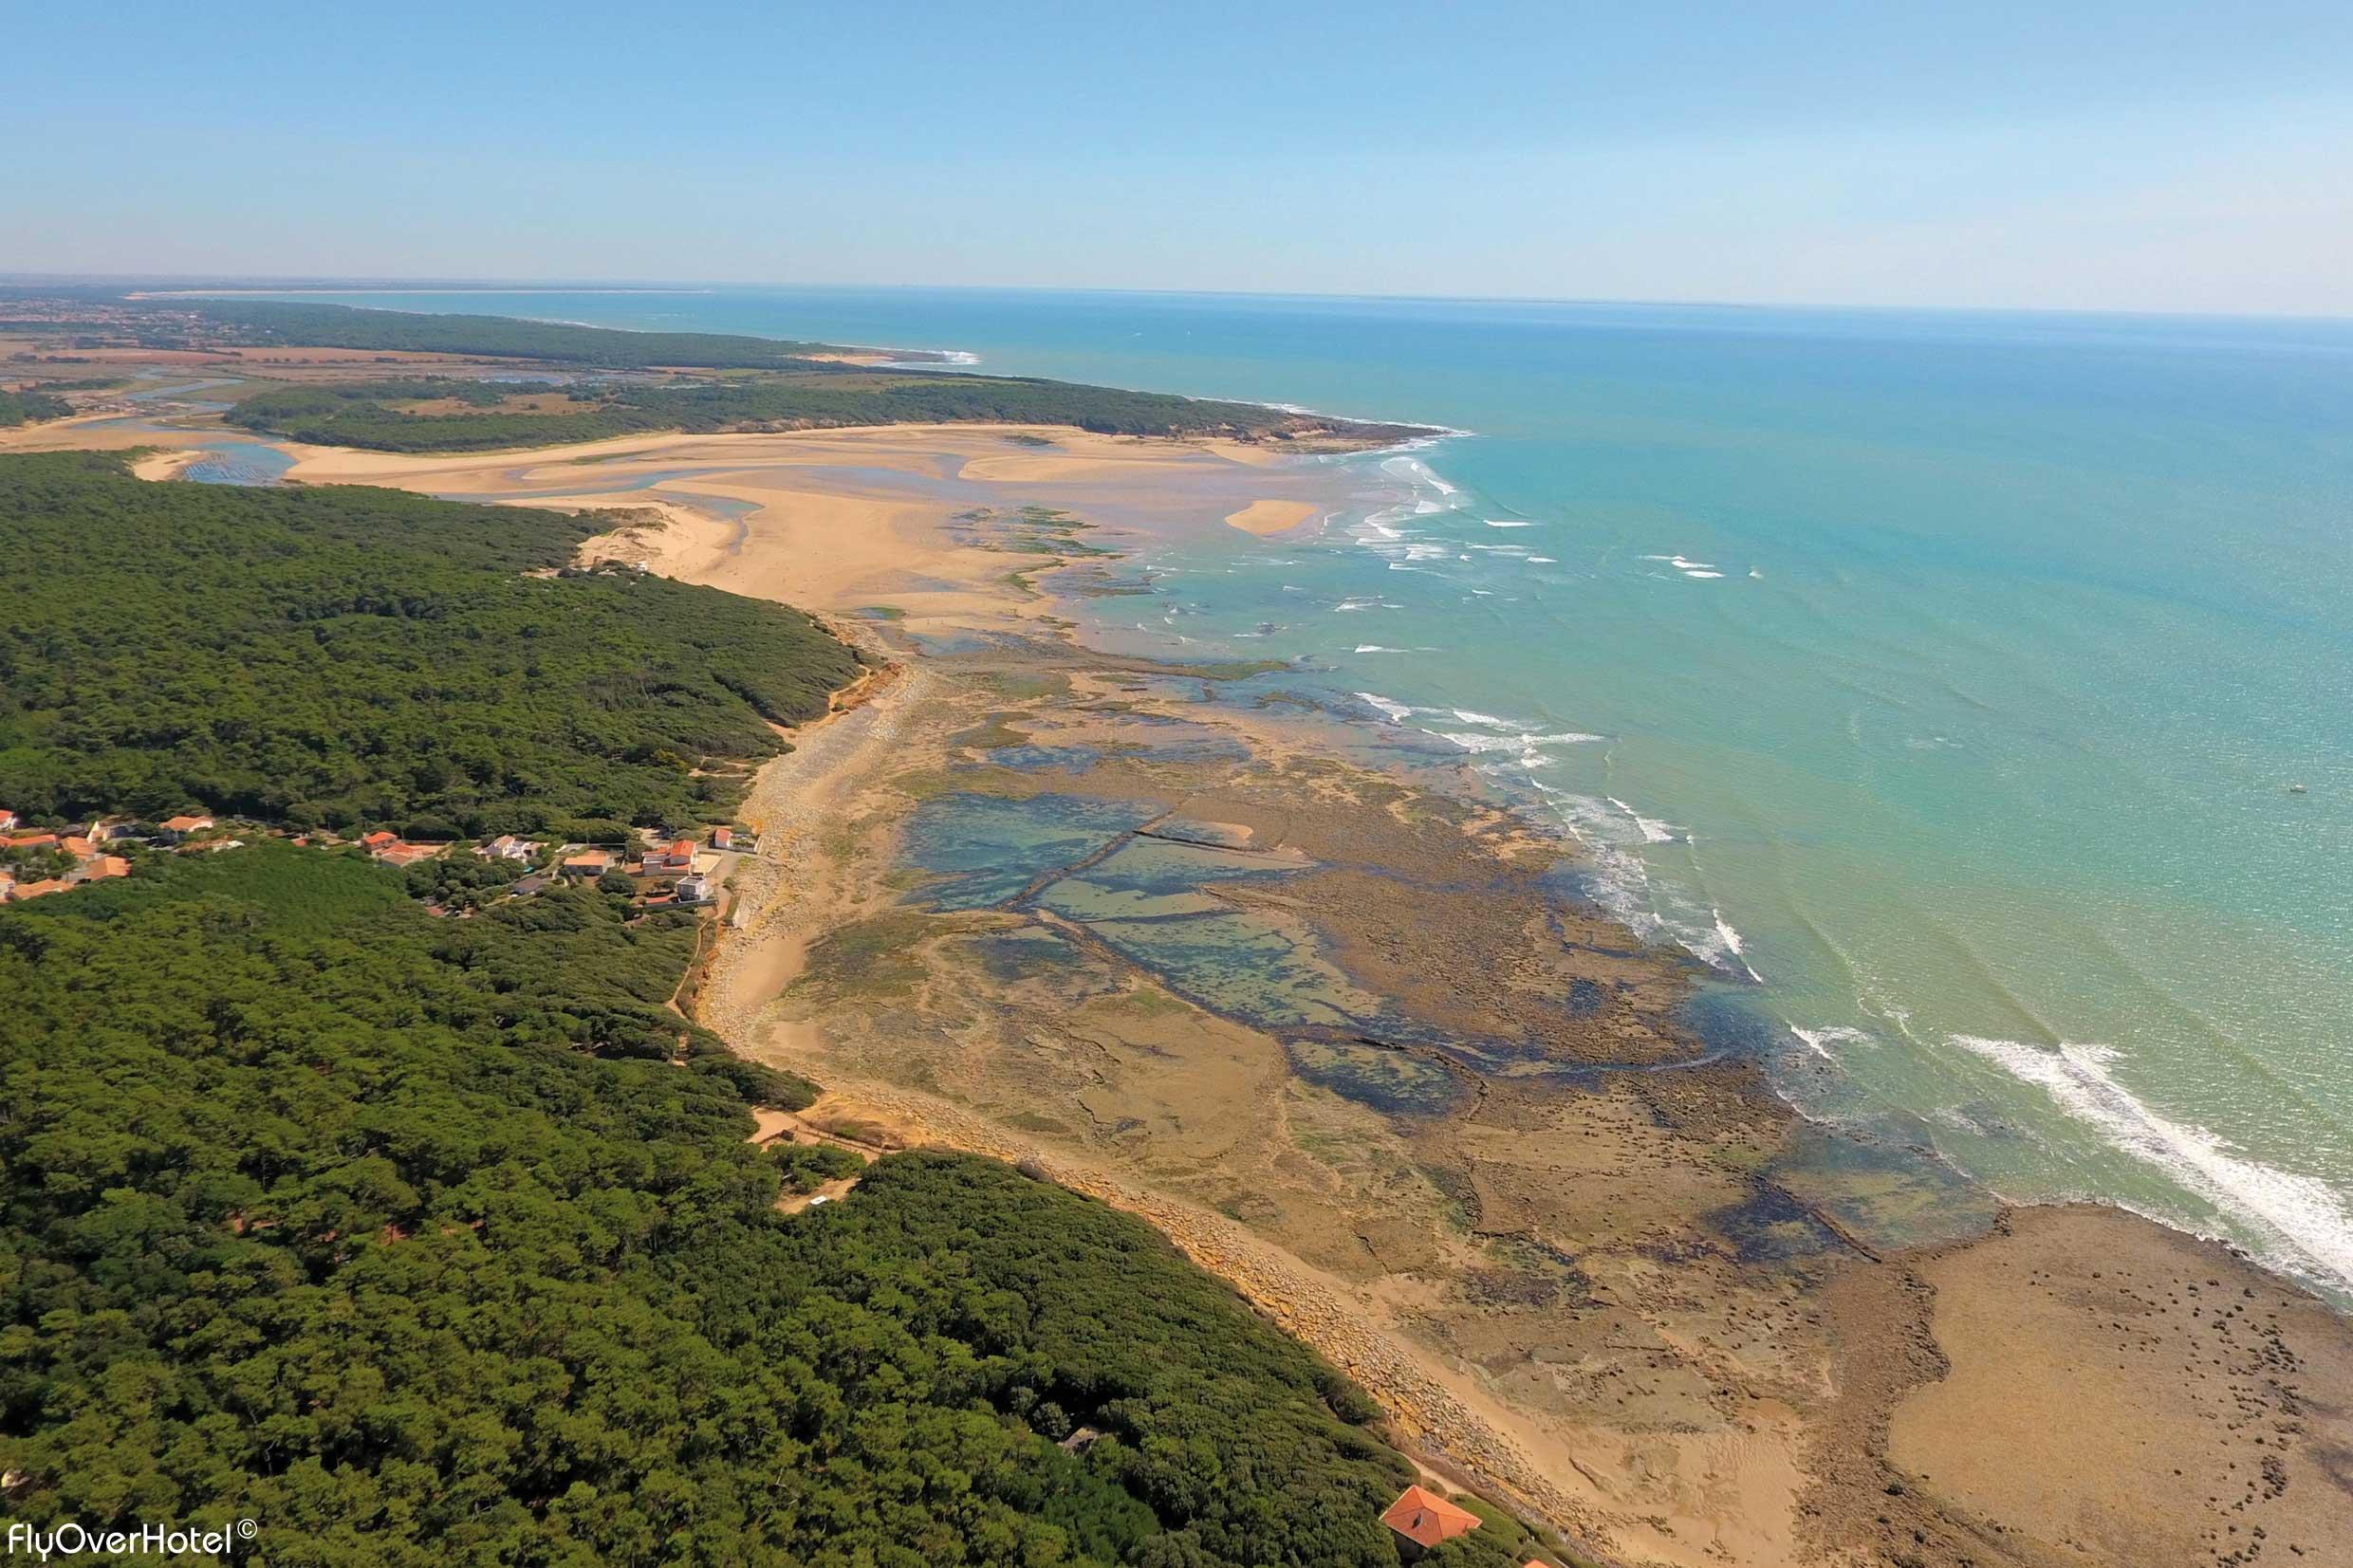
x=198 y=283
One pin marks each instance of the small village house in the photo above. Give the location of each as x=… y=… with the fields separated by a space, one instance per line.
x=694 y=887
x=722 y=837
x=675 y=859
x=1421 y=1518
x=177 y=828
x=507 y=847
x=7 y=821
x=379 y=840
x=587 y=863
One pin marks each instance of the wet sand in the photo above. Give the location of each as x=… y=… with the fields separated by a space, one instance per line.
x=1273 y=517
x=1323 y=1014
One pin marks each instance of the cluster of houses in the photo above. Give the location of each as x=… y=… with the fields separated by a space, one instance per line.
x=671 y=872
x=680 y=871
x=74 y=856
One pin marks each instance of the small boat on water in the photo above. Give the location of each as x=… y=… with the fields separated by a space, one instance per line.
x=2295 y=789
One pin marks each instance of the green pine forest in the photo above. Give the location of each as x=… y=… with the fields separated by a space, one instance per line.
x=369 y=414
x=263 y=322
x=346 y=657
x=421 y=1240
x=31 y=406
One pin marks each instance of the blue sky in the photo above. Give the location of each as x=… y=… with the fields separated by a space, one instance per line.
x=2091 y=155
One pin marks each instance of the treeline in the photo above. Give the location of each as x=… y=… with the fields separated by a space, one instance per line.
x=24 y=408
x=343 y=657
x=263 y=322
x=363 y=414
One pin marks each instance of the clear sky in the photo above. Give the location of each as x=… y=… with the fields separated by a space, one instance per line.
x=2089 y=155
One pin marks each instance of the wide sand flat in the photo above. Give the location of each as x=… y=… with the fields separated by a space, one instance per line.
x=847 y=520
x=2135 y=1396
x=1271 y=517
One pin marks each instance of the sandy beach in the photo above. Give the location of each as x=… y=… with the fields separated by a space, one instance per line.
x=1323 y=1017
x=844 y=520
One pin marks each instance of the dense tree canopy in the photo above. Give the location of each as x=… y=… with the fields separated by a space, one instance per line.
x=343 y=656
x=24 y=408
x=313 y=1216
x=265 y=322
x=368 y=415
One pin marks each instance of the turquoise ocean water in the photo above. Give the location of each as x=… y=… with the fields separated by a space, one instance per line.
x=1938 y=678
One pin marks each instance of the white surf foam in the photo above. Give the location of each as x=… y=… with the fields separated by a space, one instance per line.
x=910 y=359
x=1502 y=523
x=1820 y=1041
x=1396 y=712
x=1476 y=743
x=2303 y=1214
x=1653 y=830
x=1728 y=940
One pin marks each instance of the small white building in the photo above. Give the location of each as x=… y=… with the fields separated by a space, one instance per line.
x=508 y=847
x=693 y=888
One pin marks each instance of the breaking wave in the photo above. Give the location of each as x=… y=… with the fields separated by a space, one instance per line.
x=2308 y=1220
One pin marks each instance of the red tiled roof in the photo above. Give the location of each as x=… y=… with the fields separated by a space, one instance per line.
x=31 y=840
x=81 y=849
x=108 y=865
x=379 y=839
x=1425 y=1518
x=35 y=889
x=187 y=824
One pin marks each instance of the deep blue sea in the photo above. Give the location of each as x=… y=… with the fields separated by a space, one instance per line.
x=1940 y=678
